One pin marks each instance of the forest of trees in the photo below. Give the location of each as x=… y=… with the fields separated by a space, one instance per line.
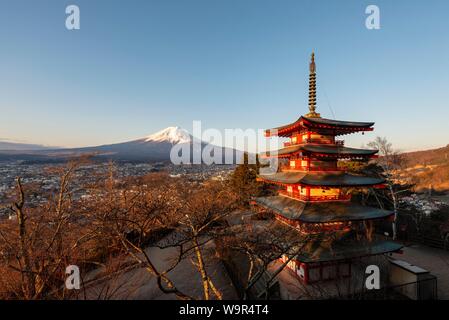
x=110 y=228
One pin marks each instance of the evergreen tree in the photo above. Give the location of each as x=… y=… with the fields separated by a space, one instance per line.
x=244 y=182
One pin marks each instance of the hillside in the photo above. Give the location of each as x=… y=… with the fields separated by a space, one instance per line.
x=438 y=156
x=428 y=169
x=17 y=146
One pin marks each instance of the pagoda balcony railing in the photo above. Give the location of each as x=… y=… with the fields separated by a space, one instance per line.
x=311 y=169
x=317 y=141
x=297 y=195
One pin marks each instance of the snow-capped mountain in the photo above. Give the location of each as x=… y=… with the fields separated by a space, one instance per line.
x=173 y=135
x=154 y=147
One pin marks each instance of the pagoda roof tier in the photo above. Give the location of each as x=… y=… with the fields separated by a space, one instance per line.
x=323 y=251
x=320 y=212
x=335 y=127
x=327 y=179
x=322 y=149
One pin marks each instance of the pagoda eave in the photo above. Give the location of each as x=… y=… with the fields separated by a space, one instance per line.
x=339 y=179
x=322 y=151
x=344 y=250
x=325 y=212
x=317 y=123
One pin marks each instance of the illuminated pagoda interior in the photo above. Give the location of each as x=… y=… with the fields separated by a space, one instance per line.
x=314 y=196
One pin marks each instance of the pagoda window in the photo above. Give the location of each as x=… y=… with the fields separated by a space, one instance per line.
x=289 y=189
x=294 y=140
x=306 y=136
x=304 y=163
x=292 y=163
x=318 y=192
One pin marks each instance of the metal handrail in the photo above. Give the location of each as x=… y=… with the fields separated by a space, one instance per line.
x=389 y=290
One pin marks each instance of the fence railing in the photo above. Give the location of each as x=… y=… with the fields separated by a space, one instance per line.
x=315 y=140
x=311 y=168
x=407 y=233
x=297 y=195
x=425 y=289
x=431 y=242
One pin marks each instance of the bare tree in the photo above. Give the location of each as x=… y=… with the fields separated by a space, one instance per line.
x=391 y=162
x=187 y=216
x=253 y=246
x=42 y=243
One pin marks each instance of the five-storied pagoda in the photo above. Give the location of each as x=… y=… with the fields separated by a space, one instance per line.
x=315 y=194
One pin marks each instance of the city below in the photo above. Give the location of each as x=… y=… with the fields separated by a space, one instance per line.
x=37 y=174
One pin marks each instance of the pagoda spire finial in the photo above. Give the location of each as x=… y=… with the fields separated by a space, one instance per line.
x=312 y=89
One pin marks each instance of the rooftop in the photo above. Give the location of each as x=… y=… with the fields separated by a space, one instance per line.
x=320 y=212
x=339 y=179
x=346 y=249
x=328 y=149
x=337 y=126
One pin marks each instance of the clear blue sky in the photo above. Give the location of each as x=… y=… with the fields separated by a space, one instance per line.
x=136 y=67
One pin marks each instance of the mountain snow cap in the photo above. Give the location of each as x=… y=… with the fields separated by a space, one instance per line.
x=173 y=135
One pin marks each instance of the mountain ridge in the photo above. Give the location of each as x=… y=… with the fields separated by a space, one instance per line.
x=154 y=147
x=6 y=145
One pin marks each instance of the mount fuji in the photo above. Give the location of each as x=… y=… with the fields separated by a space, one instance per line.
x=173 y=135
x=154 y=147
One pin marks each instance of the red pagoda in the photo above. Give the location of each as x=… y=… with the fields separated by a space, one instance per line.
x=315 y=193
